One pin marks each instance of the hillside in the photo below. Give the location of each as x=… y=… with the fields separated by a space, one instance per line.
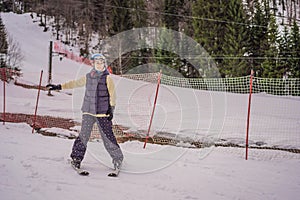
x=34 y=167
x=239 y=35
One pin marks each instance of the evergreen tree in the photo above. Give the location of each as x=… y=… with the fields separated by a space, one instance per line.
x=164 y=53
x=186 y=24
x=121 y=21
x=270 y=64
x=235 y=41
x=85 y=12
x=208 y=27
x=284 y=53
x=294 y=62
x=138 y=15
x=121 y=17
x=6 y=6
x=258 y=36
x=132 y=60
x=172 y=8
x=3 y=38
x=101 y=17
x=3 y=44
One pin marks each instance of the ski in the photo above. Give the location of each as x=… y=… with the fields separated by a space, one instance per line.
x=114 y=173
x=81 y=172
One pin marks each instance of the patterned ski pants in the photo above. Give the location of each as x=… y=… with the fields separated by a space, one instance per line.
x=109 y=140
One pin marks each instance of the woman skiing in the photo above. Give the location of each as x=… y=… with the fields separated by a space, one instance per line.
x=98 y=107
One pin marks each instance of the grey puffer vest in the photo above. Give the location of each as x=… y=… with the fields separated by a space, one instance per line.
x=96 y=98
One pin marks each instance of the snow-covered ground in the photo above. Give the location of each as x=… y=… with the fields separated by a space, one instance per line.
x=35 y=167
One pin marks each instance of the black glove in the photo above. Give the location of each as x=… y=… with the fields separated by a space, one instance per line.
x=53 y=87
x=110 y=112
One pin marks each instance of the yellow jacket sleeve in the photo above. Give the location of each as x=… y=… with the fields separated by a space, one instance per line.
x=111 y=90
x=74 y=83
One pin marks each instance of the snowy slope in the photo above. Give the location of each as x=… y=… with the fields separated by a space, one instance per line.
x=35 y=167
x=217 y=115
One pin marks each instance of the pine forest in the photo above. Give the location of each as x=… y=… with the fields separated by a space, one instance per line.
x=240 y=35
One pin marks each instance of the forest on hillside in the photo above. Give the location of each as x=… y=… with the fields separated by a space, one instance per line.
x=239 y=35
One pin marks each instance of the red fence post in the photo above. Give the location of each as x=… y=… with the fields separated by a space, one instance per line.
x=154 y=105
x=248 y=116
x=37 y=102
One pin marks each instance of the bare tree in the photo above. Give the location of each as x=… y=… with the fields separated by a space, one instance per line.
x=14 y=56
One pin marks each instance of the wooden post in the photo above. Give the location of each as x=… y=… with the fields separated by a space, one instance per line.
x=50 y=66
